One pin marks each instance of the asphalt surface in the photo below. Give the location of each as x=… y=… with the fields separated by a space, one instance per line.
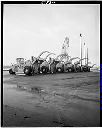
x=58 y=100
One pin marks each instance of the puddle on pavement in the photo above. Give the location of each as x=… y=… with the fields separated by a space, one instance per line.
x=29 y=98
x=38 y=90
x=21 y=99
x=7 y=76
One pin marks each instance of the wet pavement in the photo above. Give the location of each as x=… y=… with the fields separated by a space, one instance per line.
x=68 y=99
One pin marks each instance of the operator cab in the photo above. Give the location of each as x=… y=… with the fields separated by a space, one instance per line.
x=20 y=60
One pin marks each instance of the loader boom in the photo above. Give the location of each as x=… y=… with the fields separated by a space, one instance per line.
x=42 y=53
x=49 y=55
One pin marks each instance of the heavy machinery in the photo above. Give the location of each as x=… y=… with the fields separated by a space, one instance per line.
x=82 y=68
x=60 y=63
x=45 y=66
x=28 y=67
x=60 y=67
x=68 y=66
x=86 y=68
x=18 y=67
x=77 y=66
x=34 y=67
x=52 y=65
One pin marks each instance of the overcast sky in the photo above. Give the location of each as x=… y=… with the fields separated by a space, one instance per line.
x=31 y=29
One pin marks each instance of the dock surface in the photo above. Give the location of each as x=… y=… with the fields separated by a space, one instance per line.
x=58 y=100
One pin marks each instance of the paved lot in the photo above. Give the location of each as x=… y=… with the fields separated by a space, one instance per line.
x=68 y=99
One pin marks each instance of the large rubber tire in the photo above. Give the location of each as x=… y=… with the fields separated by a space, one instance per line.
x=53 y=70
x=44 y=70
x=60 y=70
x=88 y=69
x=73 y=69
x=84 y=70
x=11 y=72
x=69 y=69
x=81 y=69
x=27 y=70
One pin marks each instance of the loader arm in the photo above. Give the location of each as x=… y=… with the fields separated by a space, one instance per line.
x=78 y=62
x=61 y=55
x=42 y=53
x=74 y=58
x=49 y=55
x=92 y=65
x=82 y=59
x=58 y=56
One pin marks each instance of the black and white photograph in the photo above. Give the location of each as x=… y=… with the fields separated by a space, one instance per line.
x=51 y=65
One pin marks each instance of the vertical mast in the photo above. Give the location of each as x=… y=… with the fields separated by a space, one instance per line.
x=85 y=53
x=81 y=47
x=87 y=56
x=65 y=49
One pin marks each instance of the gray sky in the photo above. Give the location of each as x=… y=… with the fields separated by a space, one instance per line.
x=31 y=29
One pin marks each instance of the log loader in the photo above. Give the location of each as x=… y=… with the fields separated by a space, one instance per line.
x=34 y=67
x=60 y=63
x=45 y=66
x=28 y=67
x=68 y=66
x=77 y=66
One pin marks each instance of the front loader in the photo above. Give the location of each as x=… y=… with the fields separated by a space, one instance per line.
x=28 y=67
x=60 y=62
x=18 y=67
x=68 y=66
x=45 y=66
x=34 y=67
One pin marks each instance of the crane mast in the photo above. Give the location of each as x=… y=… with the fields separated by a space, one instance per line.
x=65 y=49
